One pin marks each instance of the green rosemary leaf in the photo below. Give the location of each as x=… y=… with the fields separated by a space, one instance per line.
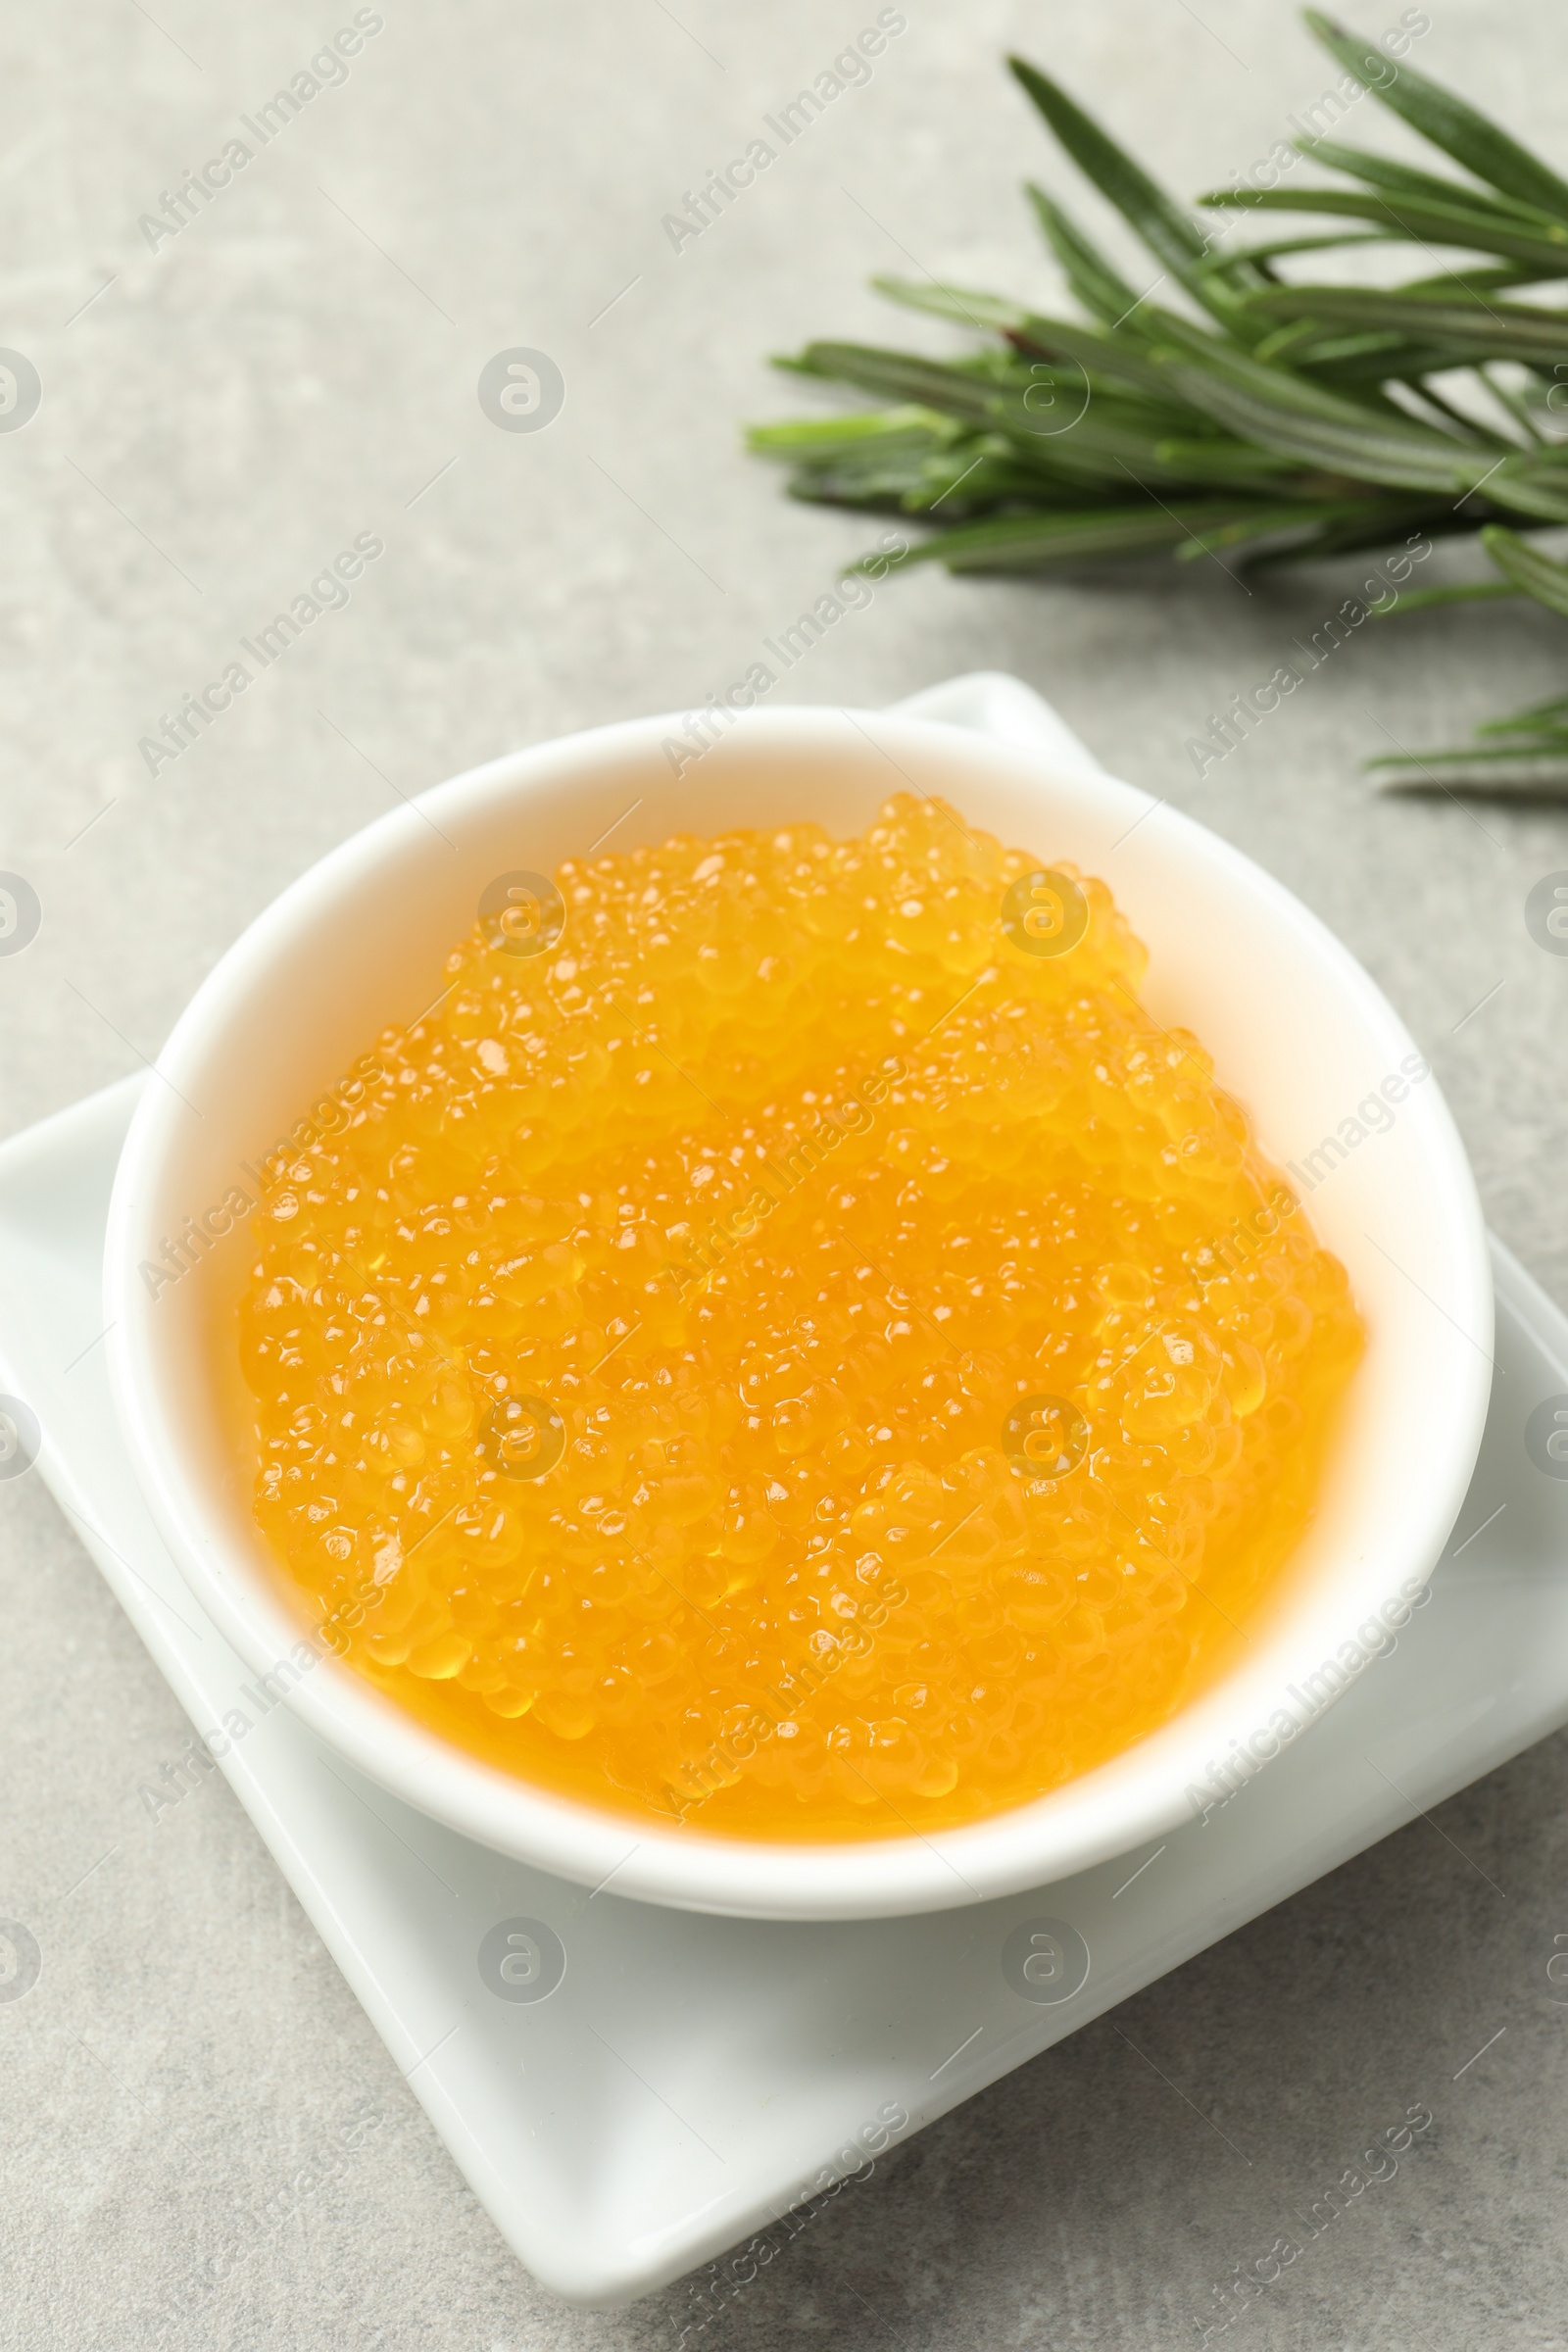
x=1526 y=568
x=1360 y=368
x=1363 y=361
x=1088 y=275
x=1542 y=719
x=1467 y=226
x=913 y=478
x=1472 y=592
x=1535 y=766
x=1103 y=357
x=1497 y=331
x=1356 y=443
x=1268 y=521
x=1459 y=422
x=971 y=478
x=966 y=306
x=1288 y=412
x=1550 y=740
x=1529 y=772
x=1173 y=236
x=969 y=485
x=1288 y=341
x=821 y=486
x=1259 y=254
x=1029 y=542
x=1401 y=179
x=1170 y=236
x=1511 y=398
x=1363 y=373
x=1459 y=129
x=1473 y=279
x=903 y=376
x=1086 y=353
x=876 y=430
x=1375 y=524
x=1229 y=464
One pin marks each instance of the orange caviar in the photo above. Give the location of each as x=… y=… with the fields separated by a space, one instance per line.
x=787 y=1343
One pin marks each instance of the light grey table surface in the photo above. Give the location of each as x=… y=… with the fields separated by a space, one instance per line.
x=297 y=366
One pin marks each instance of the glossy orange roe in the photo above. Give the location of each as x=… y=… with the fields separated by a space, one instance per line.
x=788 y=1345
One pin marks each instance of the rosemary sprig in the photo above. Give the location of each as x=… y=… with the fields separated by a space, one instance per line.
x=1522 y=758
x=1278 y=421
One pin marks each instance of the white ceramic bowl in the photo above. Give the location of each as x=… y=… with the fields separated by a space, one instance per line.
x=1297 y=1031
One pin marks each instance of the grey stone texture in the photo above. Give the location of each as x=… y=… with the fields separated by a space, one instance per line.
x=296 y=367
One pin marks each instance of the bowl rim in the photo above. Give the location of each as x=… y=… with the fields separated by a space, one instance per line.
x=1141 y=1793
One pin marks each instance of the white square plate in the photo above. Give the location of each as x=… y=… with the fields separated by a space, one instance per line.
x=686 y=2078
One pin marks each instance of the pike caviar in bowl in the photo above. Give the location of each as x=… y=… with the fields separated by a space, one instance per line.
x=787 y=1336
x=786 y=1362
